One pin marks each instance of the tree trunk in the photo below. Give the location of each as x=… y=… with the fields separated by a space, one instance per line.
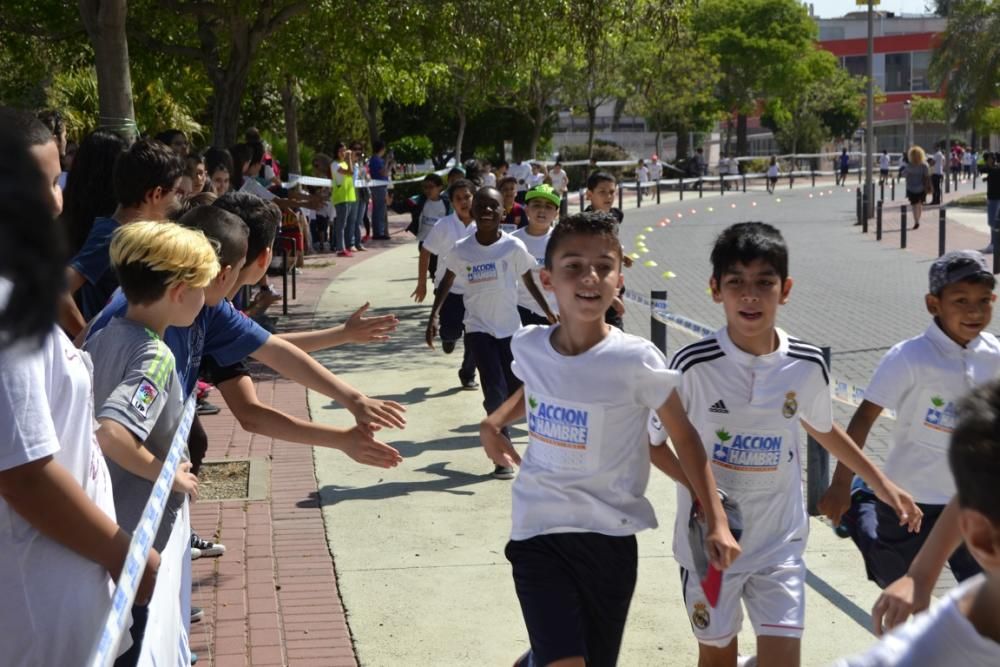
x=617 y=114
x=290 y=107
x=591 y=121
x=461 y=135
x=741 y=135
x=104 y=21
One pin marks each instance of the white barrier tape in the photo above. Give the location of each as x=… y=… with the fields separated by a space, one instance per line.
x=104 y=653
x=316 y=181
x=840 y=390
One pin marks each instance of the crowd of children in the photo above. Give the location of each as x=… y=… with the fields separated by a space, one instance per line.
x=535 y=298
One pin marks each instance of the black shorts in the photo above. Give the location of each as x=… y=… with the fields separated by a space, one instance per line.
x=916 y=197
x=575 y=590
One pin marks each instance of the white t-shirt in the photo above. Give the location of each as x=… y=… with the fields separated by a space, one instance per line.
x=536 y=179
x=536 y=246
x=747 y=410
x=559 y=180
x=655 y=171
x=489 y=275
x=884 y=162
x=587 y=463
x=54 y=600
x=921 y=379
x=772 y=171
x=939 y=163
x=443 y=236
x=429 y=216
x=642 y=174
x=940 y=636
x=522 y=172
x=967 y=158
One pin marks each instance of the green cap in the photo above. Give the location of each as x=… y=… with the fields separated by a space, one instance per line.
x=543 y=191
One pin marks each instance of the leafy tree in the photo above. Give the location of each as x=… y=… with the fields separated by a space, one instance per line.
x=412 y=149
x=757 y=43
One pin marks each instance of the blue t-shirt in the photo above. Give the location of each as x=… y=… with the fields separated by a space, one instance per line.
x=376 y=167
x=93 y=262
x=220 y=331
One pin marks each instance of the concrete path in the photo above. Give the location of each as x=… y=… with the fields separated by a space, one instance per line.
x=419 y=549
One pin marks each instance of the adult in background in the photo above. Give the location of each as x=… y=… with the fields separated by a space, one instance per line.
x=991 y=174
x=378 y=172
x=362 y=223
x=918 y=182
x=937 y=176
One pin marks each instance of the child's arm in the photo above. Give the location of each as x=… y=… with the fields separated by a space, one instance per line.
x=840 y=445
x=296 y=365
x=529 y=282
x=357 y=329
x=911 y=593
x=45 y=495
x=119 y=445
x=667 y=462
x=496 y=444
x=358 y=442
x=423 y=265
x=837 y=499
x=439 y=297
x=722 y=546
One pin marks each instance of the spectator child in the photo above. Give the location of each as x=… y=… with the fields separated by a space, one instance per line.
x=163 y=270
x=146 y=178
x=542 y=204
x=90 y=190
x=196 y=170
x=748 y=388
x=772 y=174
x=961 y=629
x=578 y=500
x=489 y=264
x=921 y=379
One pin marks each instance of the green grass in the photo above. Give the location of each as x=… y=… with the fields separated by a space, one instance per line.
x=970 y=201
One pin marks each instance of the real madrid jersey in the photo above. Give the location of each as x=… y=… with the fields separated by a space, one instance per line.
x=587 y=463
x=921 y=379
x=747 y=410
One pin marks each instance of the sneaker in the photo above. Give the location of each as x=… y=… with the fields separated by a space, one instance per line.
x=468 y=383
x=195 y=553
x=359 y=248
x=448 y=346
x=194 y=658
x=345 y=253
x=207 y=548
x=197 y=614
x=988 y=250
x=206 y=408
x=503 y=472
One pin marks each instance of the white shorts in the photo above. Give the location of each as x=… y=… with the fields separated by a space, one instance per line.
x=774 y=598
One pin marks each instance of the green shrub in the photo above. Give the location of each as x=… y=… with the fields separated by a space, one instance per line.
x=412 y=149
x=603 y=151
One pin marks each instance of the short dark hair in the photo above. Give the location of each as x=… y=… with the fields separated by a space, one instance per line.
x=505 y=180
x=256 y=152
x=146 y=165
x=974 y=452
x=32 y=251
x=222 y=226
x=588 y=223
x=251 y=135
x=167 y=136
x=461 y=184
x=377 y=145
x=53 y=120
x=744 y=242
x=261 y=218
x=435 y=179
x=599 y=177
x=203 y=198
x=216 y=157
x=456 y=170
x=27 y=125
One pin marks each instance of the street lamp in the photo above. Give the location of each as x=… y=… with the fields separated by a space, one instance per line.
x=906 y=132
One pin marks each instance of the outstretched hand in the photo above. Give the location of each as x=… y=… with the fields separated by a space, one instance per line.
x=374 y=412
x=364 y=448
x=361 y=329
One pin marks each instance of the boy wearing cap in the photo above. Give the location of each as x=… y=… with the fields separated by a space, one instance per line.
x=921 y=379
x=543 y=207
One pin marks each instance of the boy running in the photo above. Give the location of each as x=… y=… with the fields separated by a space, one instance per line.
x=747 y=388
x=543 y=207
x=962 y=629
x=921 y=379
x=579 y=498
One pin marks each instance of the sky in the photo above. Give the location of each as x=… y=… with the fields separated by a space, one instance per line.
x=834 y=8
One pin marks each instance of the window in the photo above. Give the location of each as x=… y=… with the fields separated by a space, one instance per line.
x=920 y=61
x=856 y=65
x=831 y=32
x=897 y=72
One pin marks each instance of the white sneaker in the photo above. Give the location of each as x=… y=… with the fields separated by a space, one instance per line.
x=196 y=553
x=746 y=661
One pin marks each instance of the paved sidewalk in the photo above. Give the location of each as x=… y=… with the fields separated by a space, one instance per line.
x=272 y=599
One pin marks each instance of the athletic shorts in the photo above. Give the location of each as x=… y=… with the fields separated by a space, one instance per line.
x=575 y=590
x=774 y=598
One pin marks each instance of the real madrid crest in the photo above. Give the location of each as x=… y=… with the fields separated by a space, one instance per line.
x=700 y=616
x=791 y=406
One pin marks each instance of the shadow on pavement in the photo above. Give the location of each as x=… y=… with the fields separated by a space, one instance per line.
x=839 y=600
x=448 y=481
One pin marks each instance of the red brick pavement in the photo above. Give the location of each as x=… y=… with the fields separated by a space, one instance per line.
x=272 y=599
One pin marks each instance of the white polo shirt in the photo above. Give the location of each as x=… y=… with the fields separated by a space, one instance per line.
x=587 y=463
x=559 y=180
x=445 y=233
x=747 y=410
x=536 y=246
x=489 y=275
x=921 y=379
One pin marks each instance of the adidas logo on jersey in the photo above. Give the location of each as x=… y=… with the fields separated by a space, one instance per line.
x=719 y=408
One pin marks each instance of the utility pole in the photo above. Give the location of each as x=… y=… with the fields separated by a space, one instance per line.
x=869 y=198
